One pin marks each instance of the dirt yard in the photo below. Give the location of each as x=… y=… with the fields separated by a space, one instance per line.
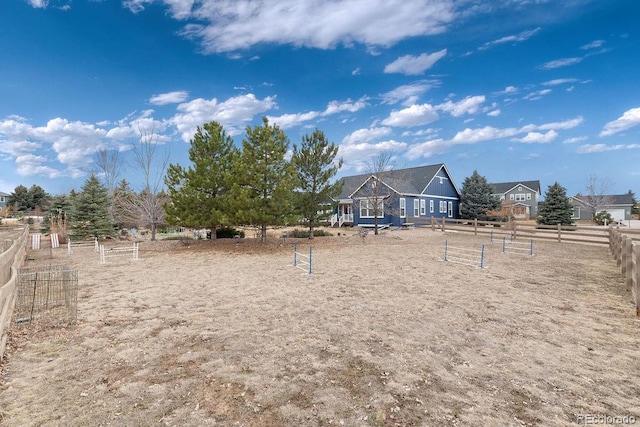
x=383 y=333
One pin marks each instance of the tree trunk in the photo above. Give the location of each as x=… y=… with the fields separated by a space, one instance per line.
x=263 y=237
x=311 y=231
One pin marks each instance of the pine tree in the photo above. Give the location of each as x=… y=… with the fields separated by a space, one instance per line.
x=556 y=208
x=90 y=216
x=267 y=179
x=315 y=167
x=477 y=198
x=201 y=195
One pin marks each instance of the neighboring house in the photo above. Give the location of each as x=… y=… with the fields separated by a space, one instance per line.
x=3 y=199
x=523 y=196
x=403 y=197
x=618 y=205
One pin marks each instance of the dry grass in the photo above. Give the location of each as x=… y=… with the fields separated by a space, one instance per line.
x=382 y=334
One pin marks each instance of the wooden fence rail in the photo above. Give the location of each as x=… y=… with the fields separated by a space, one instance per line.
x=11 y=259
x=597 y=235
x=625 y=248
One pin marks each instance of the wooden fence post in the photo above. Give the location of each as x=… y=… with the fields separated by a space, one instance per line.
x=618 y=254
x=443 y=224
x=624 y=253
x=559 y=233
x=635 y=290
x=433 y=224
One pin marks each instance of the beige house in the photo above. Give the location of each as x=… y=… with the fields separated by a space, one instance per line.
x=522 y=196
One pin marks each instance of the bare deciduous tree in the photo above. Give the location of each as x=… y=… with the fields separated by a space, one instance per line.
x=376 y=193
x=110 y=166
x=596 y=196
x=146 y=207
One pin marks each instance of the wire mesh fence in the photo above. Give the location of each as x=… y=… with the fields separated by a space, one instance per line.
x=48 y=292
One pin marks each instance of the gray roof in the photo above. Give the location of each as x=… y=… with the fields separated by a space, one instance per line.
x=505 y=187
x=404 y=181
x=610 y=199
x=4 y=194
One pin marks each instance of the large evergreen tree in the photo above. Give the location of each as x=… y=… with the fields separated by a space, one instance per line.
x=28 y=200
x=19 y=200
x=201 y=195
x=477 y=199
x=90 y=216
x=267 y=179
x=556 y=208
x=315 y=168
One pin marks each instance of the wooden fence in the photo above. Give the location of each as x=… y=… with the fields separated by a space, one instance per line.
x=11 y=259
x=625 y=248
x=514 y=230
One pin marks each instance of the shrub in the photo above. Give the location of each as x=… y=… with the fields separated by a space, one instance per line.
x=603 y=217
x=305 y=233
x=228 y=233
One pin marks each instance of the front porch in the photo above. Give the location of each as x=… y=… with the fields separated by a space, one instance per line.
x=344 y=214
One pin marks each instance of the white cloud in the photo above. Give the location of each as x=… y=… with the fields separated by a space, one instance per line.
x=38 y=4
x=31 y=164
x=234 y=113
x=414 y=65
x=169 y=98
x=231 y=25
x=356 y=71
x=72 y=144
x=524 y=35
x=286 y=121
x=472 y=136
x=593 y=45
x=574 y=140
x=427 y=149
x=509 y=89
x=556 y=82
x=534 y=96
x=494 y=113
x=414 y=115
x=567 y=124
x=366 y=135
x=136 y=6
x=335 y=107
x=563 y=62
x=468 y=105
x=409 y=91
x=629 y=119
x=538 y=138
x=357 y=156
x=602 y=148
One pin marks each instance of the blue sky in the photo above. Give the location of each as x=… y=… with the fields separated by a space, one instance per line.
x=518 y=90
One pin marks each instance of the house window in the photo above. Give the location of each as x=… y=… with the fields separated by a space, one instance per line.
x=528 y=196
x=520 y=197
x=576 y=212
x=443 y=207
x=510 y=196
x=430 y=206
x=450 y=210
x=416 y=207
x=403 y=208
x=423 y=207
x=367 y=211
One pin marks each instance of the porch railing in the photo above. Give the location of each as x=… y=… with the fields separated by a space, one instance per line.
x=341 y=219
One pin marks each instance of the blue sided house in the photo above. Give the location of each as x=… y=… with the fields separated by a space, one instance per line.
x=397 y=197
